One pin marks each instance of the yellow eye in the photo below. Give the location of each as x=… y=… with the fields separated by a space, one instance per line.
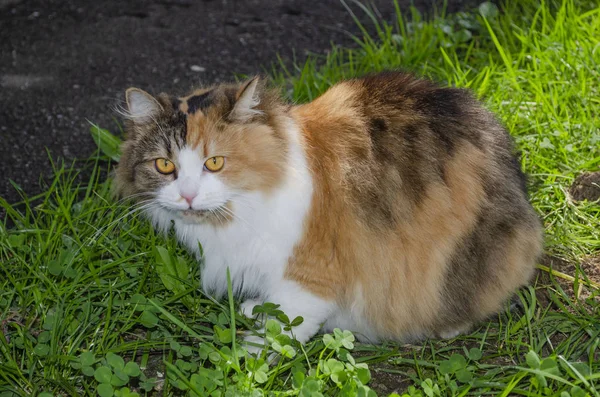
x=164 y=166
x=215 y=164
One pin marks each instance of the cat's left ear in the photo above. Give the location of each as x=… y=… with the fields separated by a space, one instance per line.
x=142 y=106
x=247 y=98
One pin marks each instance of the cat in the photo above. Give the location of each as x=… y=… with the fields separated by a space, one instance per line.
x=390 y=206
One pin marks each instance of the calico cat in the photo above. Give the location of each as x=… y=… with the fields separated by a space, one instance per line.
x=389 y=206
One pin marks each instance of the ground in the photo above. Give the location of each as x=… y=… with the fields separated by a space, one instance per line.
x=64 y=62
x=586 y=187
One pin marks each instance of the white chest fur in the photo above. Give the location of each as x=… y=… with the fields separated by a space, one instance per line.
x=258 y=242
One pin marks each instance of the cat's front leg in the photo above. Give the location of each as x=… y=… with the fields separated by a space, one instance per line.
x=248 y=306
x=294 y=301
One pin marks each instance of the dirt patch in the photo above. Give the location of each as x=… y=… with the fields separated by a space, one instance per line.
x=385 y=380
x=155 y=368
x=566 y=273
x=586 y=187
x=591 y=267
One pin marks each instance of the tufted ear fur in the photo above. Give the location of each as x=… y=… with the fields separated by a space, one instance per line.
x=247 y=98
x=142 y=107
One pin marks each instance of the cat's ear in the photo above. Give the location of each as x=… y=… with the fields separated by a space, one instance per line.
x=142 y=107
x=247 y=98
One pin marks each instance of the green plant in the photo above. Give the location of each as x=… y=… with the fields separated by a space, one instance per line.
x=111 y=373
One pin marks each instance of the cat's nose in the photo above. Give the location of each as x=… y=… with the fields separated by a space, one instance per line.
x=188 y=197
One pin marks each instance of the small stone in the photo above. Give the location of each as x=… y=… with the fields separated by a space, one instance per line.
x=196 y=68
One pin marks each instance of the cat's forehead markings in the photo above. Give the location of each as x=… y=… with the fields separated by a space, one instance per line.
x=192 y=106
x=196 y=102
x=183 y=106
x=195 y=126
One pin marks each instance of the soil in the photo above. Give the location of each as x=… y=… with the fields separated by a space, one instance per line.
x=385 y=382
x=589 y=280
x=586 y=187
x=64 y=62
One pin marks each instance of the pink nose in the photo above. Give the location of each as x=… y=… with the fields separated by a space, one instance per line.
x=189 y=198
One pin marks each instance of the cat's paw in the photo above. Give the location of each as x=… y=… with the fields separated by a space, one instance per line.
x=247 y=306
x=454 y=332
x=255 y=345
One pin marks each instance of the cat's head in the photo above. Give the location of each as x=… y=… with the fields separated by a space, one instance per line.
x=195 y=157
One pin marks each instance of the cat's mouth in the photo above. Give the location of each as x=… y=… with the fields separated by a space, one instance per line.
x=199 y=215
x=192 y=212
x=206 y=215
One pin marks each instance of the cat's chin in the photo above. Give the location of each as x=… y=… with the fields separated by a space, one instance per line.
x=202 y=216
x=194 y=214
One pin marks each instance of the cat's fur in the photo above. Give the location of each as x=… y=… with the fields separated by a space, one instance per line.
x=388 y=206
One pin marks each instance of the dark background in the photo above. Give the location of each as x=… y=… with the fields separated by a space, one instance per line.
x=63 y=62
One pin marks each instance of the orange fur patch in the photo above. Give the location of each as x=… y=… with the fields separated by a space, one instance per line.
x=399 y=273
x=195 y=127
x=393 y=276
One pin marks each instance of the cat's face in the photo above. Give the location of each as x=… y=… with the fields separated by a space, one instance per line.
x=200 y=157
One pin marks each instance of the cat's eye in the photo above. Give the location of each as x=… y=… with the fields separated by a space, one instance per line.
x=164 y=166
x=215 y=164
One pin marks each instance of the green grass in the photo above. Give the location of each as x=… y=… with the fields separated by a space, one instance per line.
x=89 y=293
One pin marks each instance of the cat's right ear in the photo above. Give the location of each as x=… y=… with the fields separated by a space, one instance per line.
x=141 y=106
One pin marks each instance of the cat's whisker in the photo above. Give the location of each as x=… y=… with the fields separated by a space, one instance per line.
x=105 y=230
x=256 y=201
x=134 y=196
x=101 y=232
x=135 y=208
x=251 y=206
x=218 y=212
x=249 y=199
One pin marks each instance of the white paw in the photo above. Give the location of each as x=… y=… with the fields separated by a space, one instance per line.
x=453 y=333
x=450 y=334
x=247 y=306
x=254 y=345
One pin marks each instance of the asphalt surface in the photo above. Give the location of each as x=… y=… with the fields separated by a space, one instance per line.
x=64 y=62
